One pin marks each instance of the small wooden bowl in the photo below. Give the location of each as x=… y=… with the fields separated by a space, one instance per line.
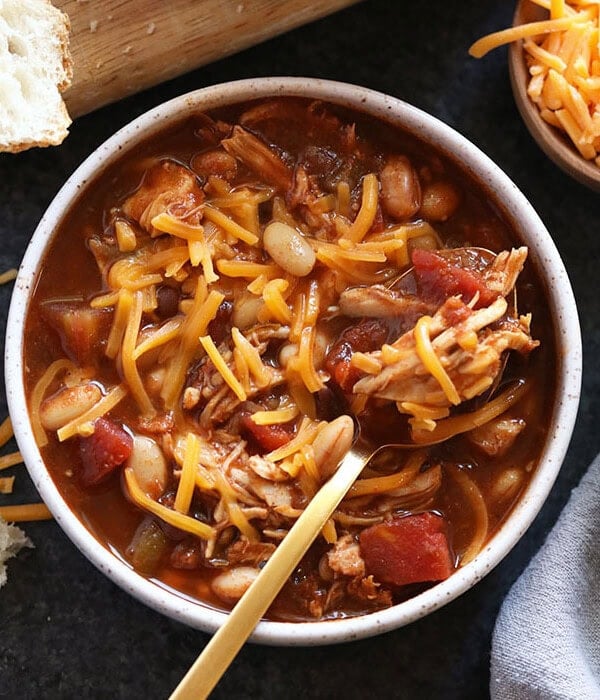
x=553 y=142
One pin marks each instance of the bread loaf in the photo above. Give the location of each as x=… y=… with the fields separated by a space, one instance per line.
x=35 y=67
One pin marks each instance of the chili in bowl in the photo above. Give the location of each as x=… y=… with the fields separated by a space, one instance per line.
x=232 y=272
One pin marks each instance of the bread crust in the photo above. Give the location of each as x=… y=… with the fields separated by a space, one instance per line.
x=58 y=117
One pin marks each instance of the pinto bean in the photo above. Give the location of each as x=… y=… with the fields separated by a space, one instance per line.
x=440 y=201
x=289 y=249
x=149 y=466
x=68 y=403
x=217 y=162
x=400 y=188
x=332 y=443
x=231 y=585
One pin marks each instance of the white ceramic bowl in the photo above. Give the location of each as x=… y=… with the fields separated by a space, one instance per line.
x=516 y=209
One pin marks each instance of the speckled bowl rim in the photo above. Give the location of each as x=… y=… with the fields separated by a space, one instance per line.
x=515 y=207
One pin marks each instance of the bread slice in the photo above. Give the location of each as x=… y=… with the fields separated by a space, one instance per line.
x=12 y=539
x=35 y=67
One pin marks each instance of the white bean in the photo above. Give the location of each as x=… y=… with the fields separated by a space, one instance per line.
x=231 y=585
x=332 y=443
x=67 y=404
x=245 y=311
x=149 y=465
x=507 y=484
x=289 y=249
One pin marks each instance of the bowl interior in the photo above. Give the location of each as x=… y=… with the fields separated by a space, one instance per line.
x=517 y=210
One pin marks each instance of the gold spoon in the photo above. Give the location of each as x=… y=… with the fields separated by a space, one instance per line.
x=552 y=141
x=229 y=639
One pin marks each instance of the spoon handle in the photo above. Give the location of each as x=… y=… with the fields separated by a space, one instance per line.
x=228 y=640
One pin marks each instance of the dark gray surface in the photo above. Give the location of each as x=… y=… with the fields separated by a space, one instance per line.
x=65 y=630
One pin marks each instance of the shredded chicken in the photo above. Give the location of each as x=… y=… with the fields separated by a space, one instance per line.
x=501 y=275
x=496 y=437
x=243 y=551
x=207 y=390
x=345 y=558
x=471 y=371
x=167 y=186
x=257 y=156
x=379 y=302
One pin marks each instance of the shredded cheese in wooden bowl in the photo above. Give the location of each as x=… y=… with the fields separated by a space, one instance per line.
x=555 y=70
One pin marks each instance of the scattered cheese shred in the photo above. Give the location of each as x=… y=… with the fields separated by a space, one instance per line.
x=37 y=396
x=25 y=513
x=305 y=435
x=280 y=415
x=251 y=357
x=431 y=361
x=10 y=460
x=274 y=302
x=121 y=315
x=203 y=310
x=329 y=532
x=365 y=363
x=6 y=484
x=368 y=209
x=185 y=488
x=130 y=370
x=8 y=275
x=236 y=514
x=389 y=482
x=229 y=225
x=126 y=239
x=99 y=409
x=172 y=517
x=165 y=334
x=249 y=270
x=6 y=431
x=221 y=366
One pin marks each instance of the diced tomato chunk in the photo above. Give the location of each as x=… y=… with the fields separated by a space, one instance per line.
x=412 y=549
x=439 y=279
x=267 y=437
x=365 y=336
x=107 y=448
x=82 y=329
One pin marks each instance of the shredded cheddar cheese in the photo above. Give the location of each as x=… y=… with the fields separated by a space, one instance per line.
x=185 y=489
x=106 y=403
x=172 y=517
x=6 y=484
x=203 y=311
x=6 y=431
x=368 y=208
x=10 y=460
x=229 y=225
x=128 y=362
x=27 y=512
x=8 y=275
x=217 y=359
x=280 y=415
x=563 y=60
x=430 y=360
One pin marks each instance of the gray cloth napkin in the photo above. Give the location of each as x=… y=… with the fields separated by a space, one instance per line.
x=546 y=643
